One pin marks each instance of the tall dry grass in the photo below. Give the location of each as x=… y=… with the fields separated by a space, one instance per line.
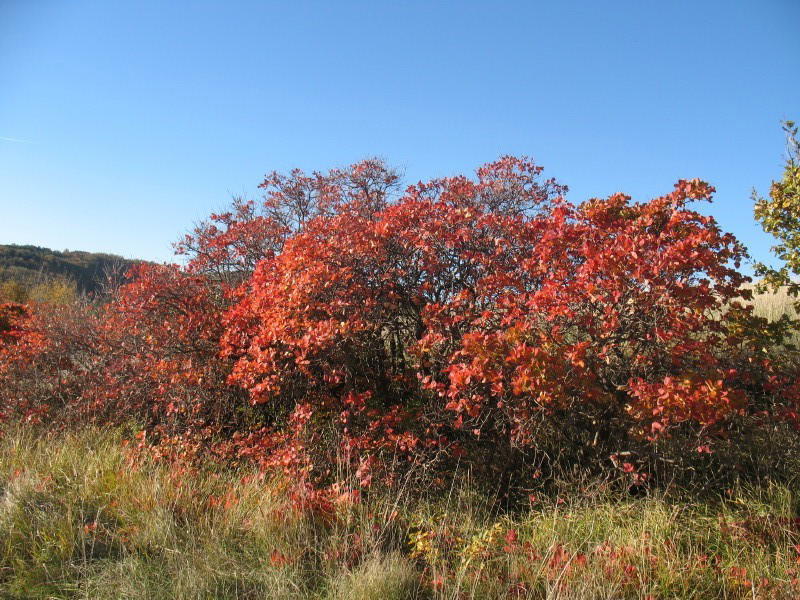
x=78 y=521
x=774 y=305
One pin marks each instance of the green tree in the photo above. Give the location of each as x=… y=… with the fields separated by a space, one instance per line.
x=779 y=215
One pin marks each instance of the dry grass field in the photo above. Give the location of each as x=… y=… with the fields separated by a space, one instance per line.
x=76 y=521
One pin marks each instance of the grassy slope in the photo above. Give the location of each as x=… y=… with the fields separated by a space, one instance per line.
x=76 y=521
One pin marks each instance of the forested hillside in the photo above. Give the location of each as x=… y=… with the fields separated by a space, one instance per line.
x=29 y=265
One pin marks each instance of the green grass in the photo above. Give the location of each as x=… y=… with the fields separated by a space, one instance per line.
x=77 y=520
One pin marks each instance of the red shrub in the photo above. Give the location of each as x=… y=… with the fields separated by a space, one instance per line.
x=50 y=370
x=163 y=330
x=336 y=324
x=466 y=312
x=12 y=318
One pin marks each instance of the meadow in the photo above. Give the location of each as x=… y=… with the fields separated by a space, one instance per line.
x=77 y=521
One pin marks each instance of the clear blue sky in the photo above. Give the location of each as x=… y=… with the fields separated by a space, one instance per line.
x=122 y=122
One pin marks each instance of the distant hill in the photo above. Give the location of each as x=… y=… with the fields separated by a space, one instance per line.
x=31 y=264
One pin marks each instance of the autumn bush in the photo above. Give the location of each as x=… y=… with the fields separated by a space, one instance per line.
x=347 y=332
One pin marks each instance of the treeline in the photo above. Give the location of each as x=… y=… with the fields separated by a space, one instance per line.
x=31 y=273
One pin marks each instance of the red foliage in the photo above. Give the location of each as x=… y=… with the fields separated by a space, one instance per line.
x=50 y=364
x=12 y=320
x=338 y=324
x=163 y=329
x=12 y=317
x=469 y=309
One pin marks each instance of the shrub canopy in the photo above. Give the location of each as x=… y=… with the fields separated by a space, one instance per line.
x=463 y=319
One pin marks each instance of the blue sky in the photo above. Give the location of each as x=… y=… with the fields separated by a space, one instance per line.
x=122 y=123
